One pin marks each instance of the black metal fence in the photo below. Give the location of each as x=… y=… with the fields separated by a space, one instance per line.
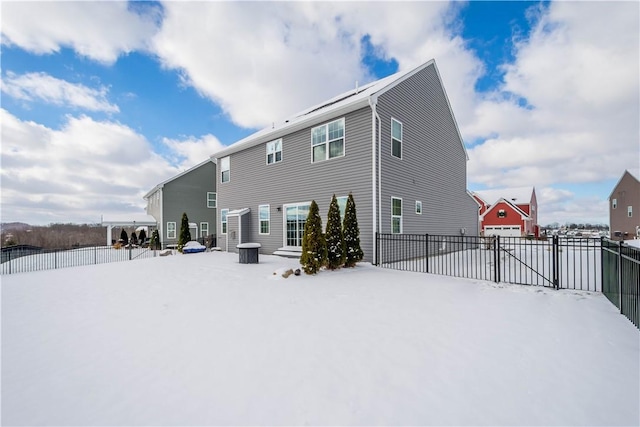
x=556 y=263
x=49 y=259
x=586 y=264
x=621 y=278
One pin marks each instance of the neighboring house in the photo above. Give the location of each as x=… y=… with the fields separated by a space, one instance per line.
x=624 y=208
x=192 y=191
x=394 y=144
x=508 y=212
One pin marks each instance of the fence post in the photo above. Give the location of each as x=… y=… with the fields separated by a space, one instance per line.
x=426 y=249
x=620 y=275
x=95 y=254
x=130 y=250
x=496 y=259
x=555 y=253
x=377 y=249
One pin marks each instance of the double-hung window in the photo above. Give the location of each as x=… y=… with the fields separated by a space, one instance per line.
x=223 y=220
x=204 y=229
x=327 y=141
x=274 y=151
x=396 y=215
x=418 y=207
x=171 y=230
x=225 y=168
x=264 y=218
x=396 y=138
x=630 y=211
x=614 y=203
x=211 y=199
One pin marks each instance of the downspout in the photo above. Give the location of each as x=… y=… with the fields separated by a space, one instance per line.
x=373 y=101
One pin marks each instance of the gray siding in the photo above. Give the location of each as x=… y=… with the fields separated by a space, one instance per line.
x=296 y=179
x=153 y=205
x=433 y=165
x=188 y=193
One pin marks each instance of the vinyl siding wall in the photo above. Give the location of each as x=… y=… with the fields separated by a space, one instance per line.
x=627 y=193
x=296 y=179
x=433 y=167
x=188 y=193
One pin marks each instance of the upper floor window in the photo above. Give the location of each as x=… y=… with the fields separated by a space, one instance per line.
x=211 y=199
x=396 y=215
x=502 y=213
x=223 y=221
x=630 y=211
x=614 y=203
x=264 y=218
x=327 y=141
x=418 y=207
x=225 y=168
x=274 y=151
x=396 y=138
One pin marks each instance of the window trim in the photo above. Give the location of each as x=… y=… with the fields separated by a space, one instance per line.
x=175 y=234
x=223 y=220
x=418 y=207
x=274 y=144
x=206 y=227
x=268 y=220
x=226 y=160
x=396 y=139
x=327 y=142
x=215 y=199
x=396 y=216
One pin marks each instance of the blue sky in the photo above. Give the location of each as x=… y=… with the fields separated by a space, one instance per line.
x=103 y=100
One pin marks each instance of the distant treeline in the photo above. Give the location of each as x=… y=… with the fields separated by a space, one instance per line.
x=56 y=236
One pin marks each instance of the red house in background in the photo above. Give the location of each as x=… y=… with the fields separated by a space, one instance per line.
x=508 y=212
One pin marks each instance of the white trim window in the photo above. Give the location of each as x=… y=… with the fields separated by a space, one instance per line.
x=630 y=211
x=396 y=215
x=418 y=207
x=274 y=151
x=614 y=203
x=212 y=199
x=264 y=217
x=223 y=220
x=396 y=138
x=342 y=204
x=327 y=141
x=225 y=169
x=171 y=230
x=204 y=229
x=295 y=218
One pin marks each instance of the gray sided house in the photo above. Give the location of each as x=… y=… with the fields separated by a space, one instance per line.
x=394 y=144
x=624 y=208
x=192 y=191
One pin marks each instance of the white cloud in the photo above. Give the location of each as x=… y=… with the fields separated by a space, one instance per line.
x=43 y=87
x=100 y=30
x=264 y=61
x=578 y=72
x=191 y=151
x=75 y=174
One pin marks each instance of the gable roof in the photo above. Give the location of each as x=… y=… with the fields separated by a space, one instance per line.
x=516 y=195
x=523 y=214
x=162 y=184
x=341 y=104
x=633 y=173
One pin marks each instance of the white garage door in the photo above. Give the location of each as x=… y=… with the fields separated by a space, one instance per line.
x=503 y=231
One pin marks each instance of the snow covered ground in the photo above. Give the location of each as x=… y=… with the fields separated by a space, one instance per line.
x=202 y=340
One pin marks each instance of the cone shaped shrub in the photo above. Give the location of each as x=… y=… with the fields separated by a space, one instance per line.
x=333 y=236
x=155 y=240
x=124 y=237
x=314 y=249
x=353 y=251
x=185 y=234
x=143 y=236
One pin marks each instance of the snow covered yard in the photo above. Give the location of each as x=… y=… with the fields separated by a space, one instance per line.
x=202 y=340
